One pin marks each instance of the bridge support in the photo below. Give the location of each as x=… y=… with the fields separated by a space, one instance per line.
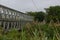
x=8 y=25
x=12 y=25
x=4 y=25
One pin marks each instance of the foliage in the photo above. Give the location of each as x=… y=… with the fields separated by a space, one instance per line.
x=38 y=16
x=34 y=31
x=53 y=12
x=31 y=13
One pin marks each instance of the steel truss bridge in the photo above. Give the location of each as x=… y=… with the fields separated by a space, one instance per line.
x=10 y=18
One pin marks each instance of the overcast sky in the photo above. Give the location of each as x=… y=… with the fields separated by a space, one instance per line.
x=28 y=5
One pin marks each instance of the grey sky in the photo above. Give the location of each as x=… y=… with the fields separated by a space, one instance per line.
x=27 y=5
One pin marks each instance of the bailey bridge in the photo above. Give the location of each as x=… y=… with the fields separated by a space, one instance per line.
x=10 y=18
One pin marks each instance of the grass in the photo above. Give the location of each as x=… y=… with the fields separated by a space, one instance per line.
x=34 y=31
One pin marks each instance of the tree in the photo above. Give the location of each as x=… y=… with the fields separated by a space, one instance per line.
x=53 y=12
x=38 y=16
x=31 y=13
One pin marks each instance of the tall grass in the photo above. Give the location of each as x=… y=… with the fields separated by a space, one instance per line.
x=34 y=31
x=37 y=31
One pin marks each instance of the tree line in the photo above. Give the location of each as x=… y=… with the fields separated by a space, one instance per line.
x=52 y=14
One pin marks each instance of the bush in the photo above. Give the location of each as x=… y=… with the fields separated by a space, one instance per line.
x=35 y=31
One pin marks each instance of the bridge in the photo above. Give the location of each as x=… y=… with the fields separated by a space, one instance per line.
x=10 y=18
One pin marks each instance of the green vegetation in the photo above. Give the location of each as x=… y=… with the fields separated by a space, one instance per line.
x=35 y=31
x=38 y=30
x=52 y=13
